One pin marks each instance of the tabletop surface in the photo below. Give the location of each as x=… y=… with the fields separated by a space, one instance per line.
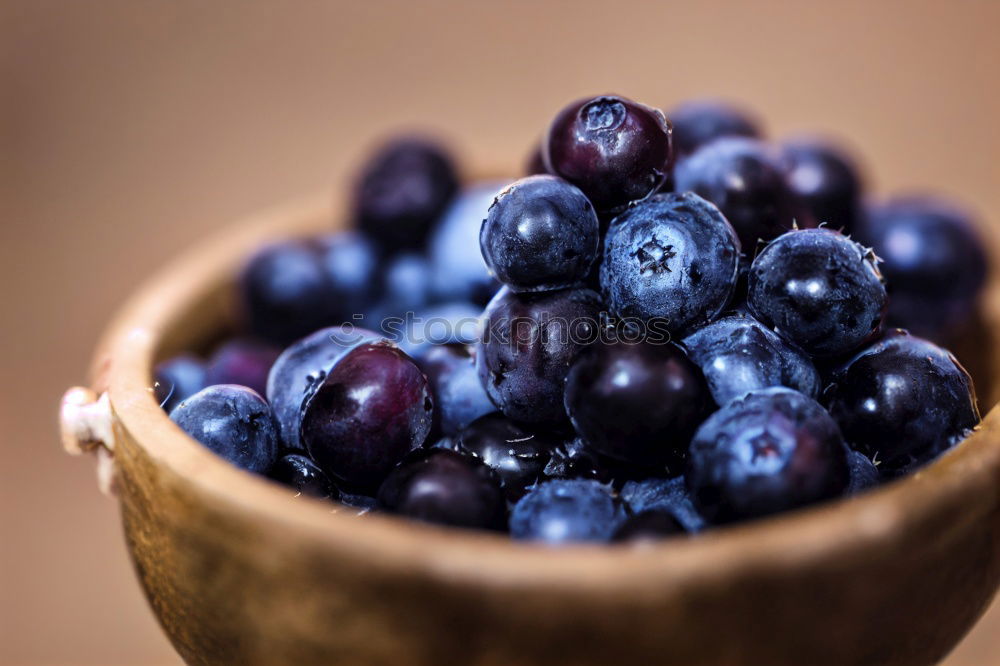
x=130 y=129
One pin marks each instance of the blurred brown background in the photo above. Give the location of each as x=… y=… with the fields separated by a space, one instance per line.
x=131 y=128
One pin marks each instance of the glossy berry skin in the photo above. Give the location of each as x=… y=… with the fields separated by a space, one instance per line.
x=458 y=270
x=373 y=407
x=769 y=451
x=517 y=455
x=285 y=292
x=540 y=234
x=903 y=400
x=863 y=473
x=673 y=257
x=615 y=150
x=738 y=354
x=697 y=123
x=301 y=369
x=447 y=488
x=244 y=362
x=459 y=396
x=574 y=459
x=818 y=289
x=933 y=259
x=176 y=379
x=826 y=181
x=233 y=422
x=528 y=345
x=567 y=511
x=648 y=526
x=304 y=476
x=639 y=403
x=746 y=180
x=404 y=188
x=664 y=494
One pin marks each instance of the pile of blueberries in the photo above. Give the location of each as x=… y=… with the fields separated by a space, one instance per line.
x=684 y=326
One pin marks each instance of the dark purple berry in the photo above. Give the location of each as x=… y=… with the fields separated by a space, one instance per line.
x=541 y=234
x=373 y=407
x=903 y=401
x=934 y=261
x=863 y=473
x=518 y=456
x=746 y=180
x=699 y=122
x=444 y=487
x=826 y=180
x=404 y=188
x=615 y=150
x=302 y=474
x=528 y=344
x=301 y=369
x=636 y=402
x=243 y=362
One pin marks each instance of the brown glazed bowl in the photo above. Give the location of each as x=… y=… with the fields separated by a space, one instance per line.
x=240 y=572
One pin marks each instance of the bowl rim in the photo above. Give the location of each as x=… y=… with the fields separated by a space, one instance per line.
x=844 y=528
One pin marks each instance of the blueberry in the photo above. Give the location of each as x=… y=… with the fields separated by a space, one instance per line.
x=404 y=188
x=301 y=369
x=826 y=180
x=648 y=526
x=234 y=422
x=459 y=396
x=902 y=401
x=615 y=150
x=863 y=473
x=818 y=289
x=447 y=488
x=746 y=180
x=372 y=408
x=738 y=354
x=528 y=344
x=672 y=257
x=567 y=511
x=299 y=472
x=540 y=234
x=440 y=324
x=517 y=455
x=934 y=261
x=286 y=292
x=458 y=270
x=176 y=379
x=242 y=361
x=699 y=122
x=769 y=451
x=639 y=403
x=407 y=284
x=353 y=266
x=664 y=494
